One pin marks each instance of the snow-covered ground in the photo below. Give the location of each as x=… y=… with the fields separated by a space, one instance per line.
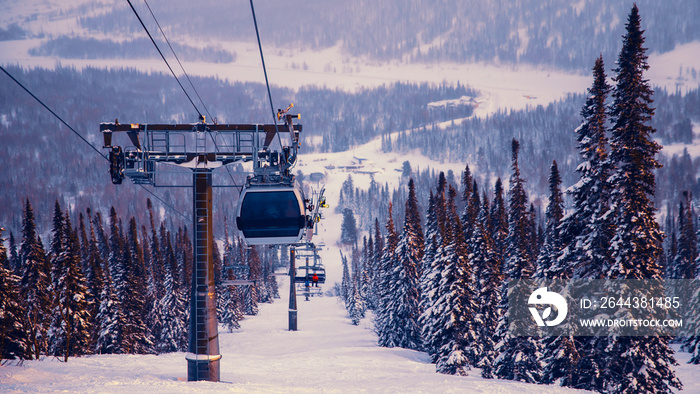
x=326 y=354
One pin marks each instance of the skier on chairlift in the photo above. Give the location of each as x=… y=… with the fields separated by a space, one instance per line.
x=315 y=280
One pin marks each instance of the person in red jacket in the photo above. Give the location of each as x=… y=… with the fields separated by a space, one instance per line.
x=315 y=280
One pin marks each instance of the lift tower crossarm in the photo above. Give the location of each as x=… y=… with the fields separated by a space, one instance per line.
x=270 y=130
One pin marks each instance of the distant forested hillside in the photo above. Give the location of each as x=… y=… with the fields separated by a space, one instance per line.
x=44 y=161
x=41 y=159
x=562 y=33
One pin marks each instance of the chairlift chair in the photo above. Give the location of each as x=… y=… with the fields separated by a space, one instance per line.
x=305 y=274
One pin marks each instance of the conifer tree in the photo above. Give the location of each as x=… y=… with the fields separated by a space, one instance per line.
x=102 y=242
x=70 y=331
x=488 y=276
x=469 y=214
x=14 y=261
x=364 y=285
x=387 y=336
x=345 y=282
x=230 y=308
x=348 y=229
x=251 y=293
x=110 y=321
x=560 y=353
x=403 y=279
x=457 y=310
x=374 y=267
x=684 y=265
x=172 y=335
x=498 y=221
x=433 y=267
x=132 y=292
x=585 y=239
x=635 y=364
x=35 y=284
x=13 y=339
x=586 y=233
x=518 y=356
x=156 y=266
x=95 y=280
x=551 y=249
x=355 y=304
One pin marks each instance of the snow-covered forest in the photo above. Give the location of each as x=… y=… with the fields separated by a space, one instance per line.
x=597 y=183
x=107 y=286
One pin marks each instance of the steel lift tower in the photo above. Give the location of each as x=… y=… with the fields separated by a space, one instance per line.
x=202 y=148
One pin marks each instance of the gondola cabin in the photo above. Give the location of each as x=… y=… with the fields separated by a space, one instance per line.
x=271 y=215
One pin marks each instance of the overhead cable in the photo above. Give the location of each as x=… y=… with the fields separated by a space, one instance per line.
x=164 y=59
x=178 y=61
x=83 y=138
x=53 y=113
x=267 y=82
x=190 y=81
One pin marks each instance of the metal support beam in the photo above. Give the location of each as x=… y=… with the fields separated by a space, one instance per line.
x=292 y=291
x=203 y=347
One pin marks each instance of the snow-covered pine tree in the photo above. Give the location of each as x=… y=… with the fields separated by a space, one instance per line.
x=355 y=304
x=230 y=306
x=345 y=282
x=171 y=307
x=132 y=292
x=404 y=300
x=587 y=231
x=470 y=212
x=374 y=267
x=518 y=357
x=559 y=354
x=185 y=256
x=110 y=321
x=433 y=266
x=487 y=267
x=13 y=338
x=389 y=260
x=455 y=306
x=585 y=237
x=684 y=265
x=348 y=228
x=551 y=249
x=102 y=242
x=682 y=268
x=413 y=231
x=498 y=221
x=251 y=293
x=364 y=282
x=70 y=331
x=35 y=284
x=155 y=266
x=94 y=276
x=692 y=344
x=58 y=254
x=635 y=364
x=13 y=259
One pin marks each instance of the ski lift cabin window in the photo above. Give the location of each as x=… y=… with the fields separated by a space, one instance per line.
x=271 y=215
